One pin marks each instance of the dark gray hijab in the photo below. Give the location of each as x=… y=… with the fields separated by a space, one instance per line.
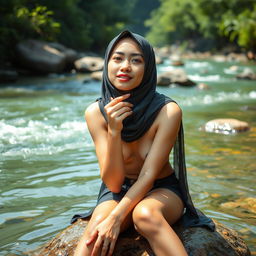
x=147 y=103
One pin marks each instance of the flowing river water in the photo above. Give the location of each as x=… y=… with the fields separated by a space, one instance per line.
x=49 y=171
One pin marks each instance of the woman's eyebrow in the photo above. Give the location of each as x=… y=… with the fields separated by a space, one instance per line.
x=132 y=54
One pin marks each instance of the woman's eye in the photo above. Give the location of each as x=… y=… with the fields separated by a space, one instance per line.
x=137 y=60
x=117 y=58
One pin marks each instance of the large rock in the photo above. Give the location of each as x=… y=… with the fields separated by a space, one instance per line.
x=247 y=74
x=70 y=54
x=89 y=64
x=8 y=75
x=175 y=76
x=197 y=241
x=43 y=57
x=226 y=126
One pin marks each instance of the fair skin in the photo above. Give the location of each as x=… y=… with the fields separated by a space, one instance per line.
x=145 y=159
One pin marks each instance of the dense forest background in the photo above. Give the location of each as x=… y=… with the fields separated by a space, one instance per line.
x=87 y=25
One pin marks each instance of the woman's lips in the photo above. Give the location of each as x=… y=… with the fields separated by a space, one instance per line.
x=124 y=78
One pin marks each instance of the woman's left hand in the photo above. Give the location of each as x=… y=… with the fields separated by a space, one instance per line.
x=105 y=234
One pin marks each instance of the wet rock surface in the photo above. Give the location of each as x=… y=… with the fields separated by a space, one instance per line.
x=226 y=126
x=247 y=74
x=89 y=64
x=197 y=241
x=44 y=57
x=176 y=76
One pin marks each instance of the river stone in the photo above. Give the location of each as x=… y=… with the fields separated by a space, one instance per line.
x=175 y=76
x=42 y=56
x=97 y=75
x=247 y=74
x=197 y=241
x=241 y=204
x=176 y=60
x=89 y=64
x=203 y=86
x=226 y=126
x=159 y=60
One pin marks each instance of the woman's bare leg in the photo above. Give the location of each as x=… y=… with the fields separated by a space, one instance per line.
x=99 y=214
x=152 y=218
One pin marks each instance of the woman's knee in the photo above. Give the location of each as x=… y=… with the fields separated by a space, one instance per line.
x=100 y=213
x=146 y=220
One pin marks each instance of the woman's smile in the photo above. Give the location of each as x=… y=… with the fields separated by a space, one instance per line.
x=124 y=77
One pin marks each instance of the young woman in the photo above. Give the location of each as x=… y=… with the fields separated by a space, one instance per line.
x=134 y=129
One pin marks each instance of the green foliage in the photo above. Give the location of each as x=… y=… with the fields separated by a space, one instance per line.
x=21 y=21
x=79 y=24
x=38 y=21
x=91 y=24
x=141 y=12
x=240 y=28
x=106 y=19
x=218 y=20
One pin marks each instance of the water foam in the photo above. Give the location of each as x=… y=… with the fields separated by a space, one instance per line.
x=210 y=78
x=218 y=98
x=33 y=137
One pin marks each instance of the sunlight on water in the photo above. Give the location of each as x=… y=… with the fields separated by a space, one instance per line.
x=49 y=169
x=28 y=138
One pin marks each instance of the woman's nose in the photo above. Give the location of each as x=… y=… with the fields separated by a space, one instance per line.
x=126 y=66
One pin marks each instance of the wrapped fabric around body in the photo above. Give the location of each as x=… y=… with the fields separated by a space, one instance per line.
x=147 y=103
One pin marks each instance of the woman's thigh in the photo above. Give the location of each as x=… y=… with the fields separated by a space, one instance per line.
x=163 y=201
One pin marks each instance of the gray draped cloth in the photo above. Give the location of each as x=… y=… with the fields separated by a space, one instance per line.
x=147 y=104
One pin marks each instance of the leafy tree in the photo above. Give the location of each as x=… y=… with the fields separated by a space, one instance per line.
x=106 y=19
x=218 y=20
x=140 y=12
x=38 y=21
x=240 y=28
x=79 y=24
x=20 y=21
x=173 y=20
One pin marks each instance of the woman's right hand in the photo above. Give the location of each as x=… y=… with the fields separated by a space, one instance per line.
x=117 y=110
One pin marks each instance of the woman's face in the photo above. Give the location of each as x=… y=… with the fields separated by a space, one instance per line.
x=126 y=65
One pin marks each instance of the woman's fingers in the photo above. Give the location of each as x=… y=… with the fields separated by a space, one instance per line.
x=117 y=105
x=97 y=246
x=117 y=114
x=118 y=99
x=112 y=246
x=92 y=237
x=105 y=247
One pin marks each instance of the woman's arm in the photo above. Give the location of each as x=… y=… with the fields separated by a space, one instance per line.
x=168 y=122
x=107 y=139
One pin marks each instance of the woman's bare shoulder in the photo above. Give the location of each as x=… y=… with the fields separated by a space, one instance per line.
x=92 y=110
x=95 y=121
x=93 y=116
x=171 y=111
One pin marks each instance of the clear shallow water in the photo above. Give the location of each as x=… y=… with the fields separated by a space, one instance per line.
x=49 y=170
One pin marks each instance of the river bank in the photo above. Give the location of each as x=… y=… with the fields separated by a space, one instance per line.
x=34 y=57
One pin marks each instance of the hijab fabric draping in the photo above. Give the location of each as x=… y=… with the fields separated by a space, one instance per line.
x=147 y=103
